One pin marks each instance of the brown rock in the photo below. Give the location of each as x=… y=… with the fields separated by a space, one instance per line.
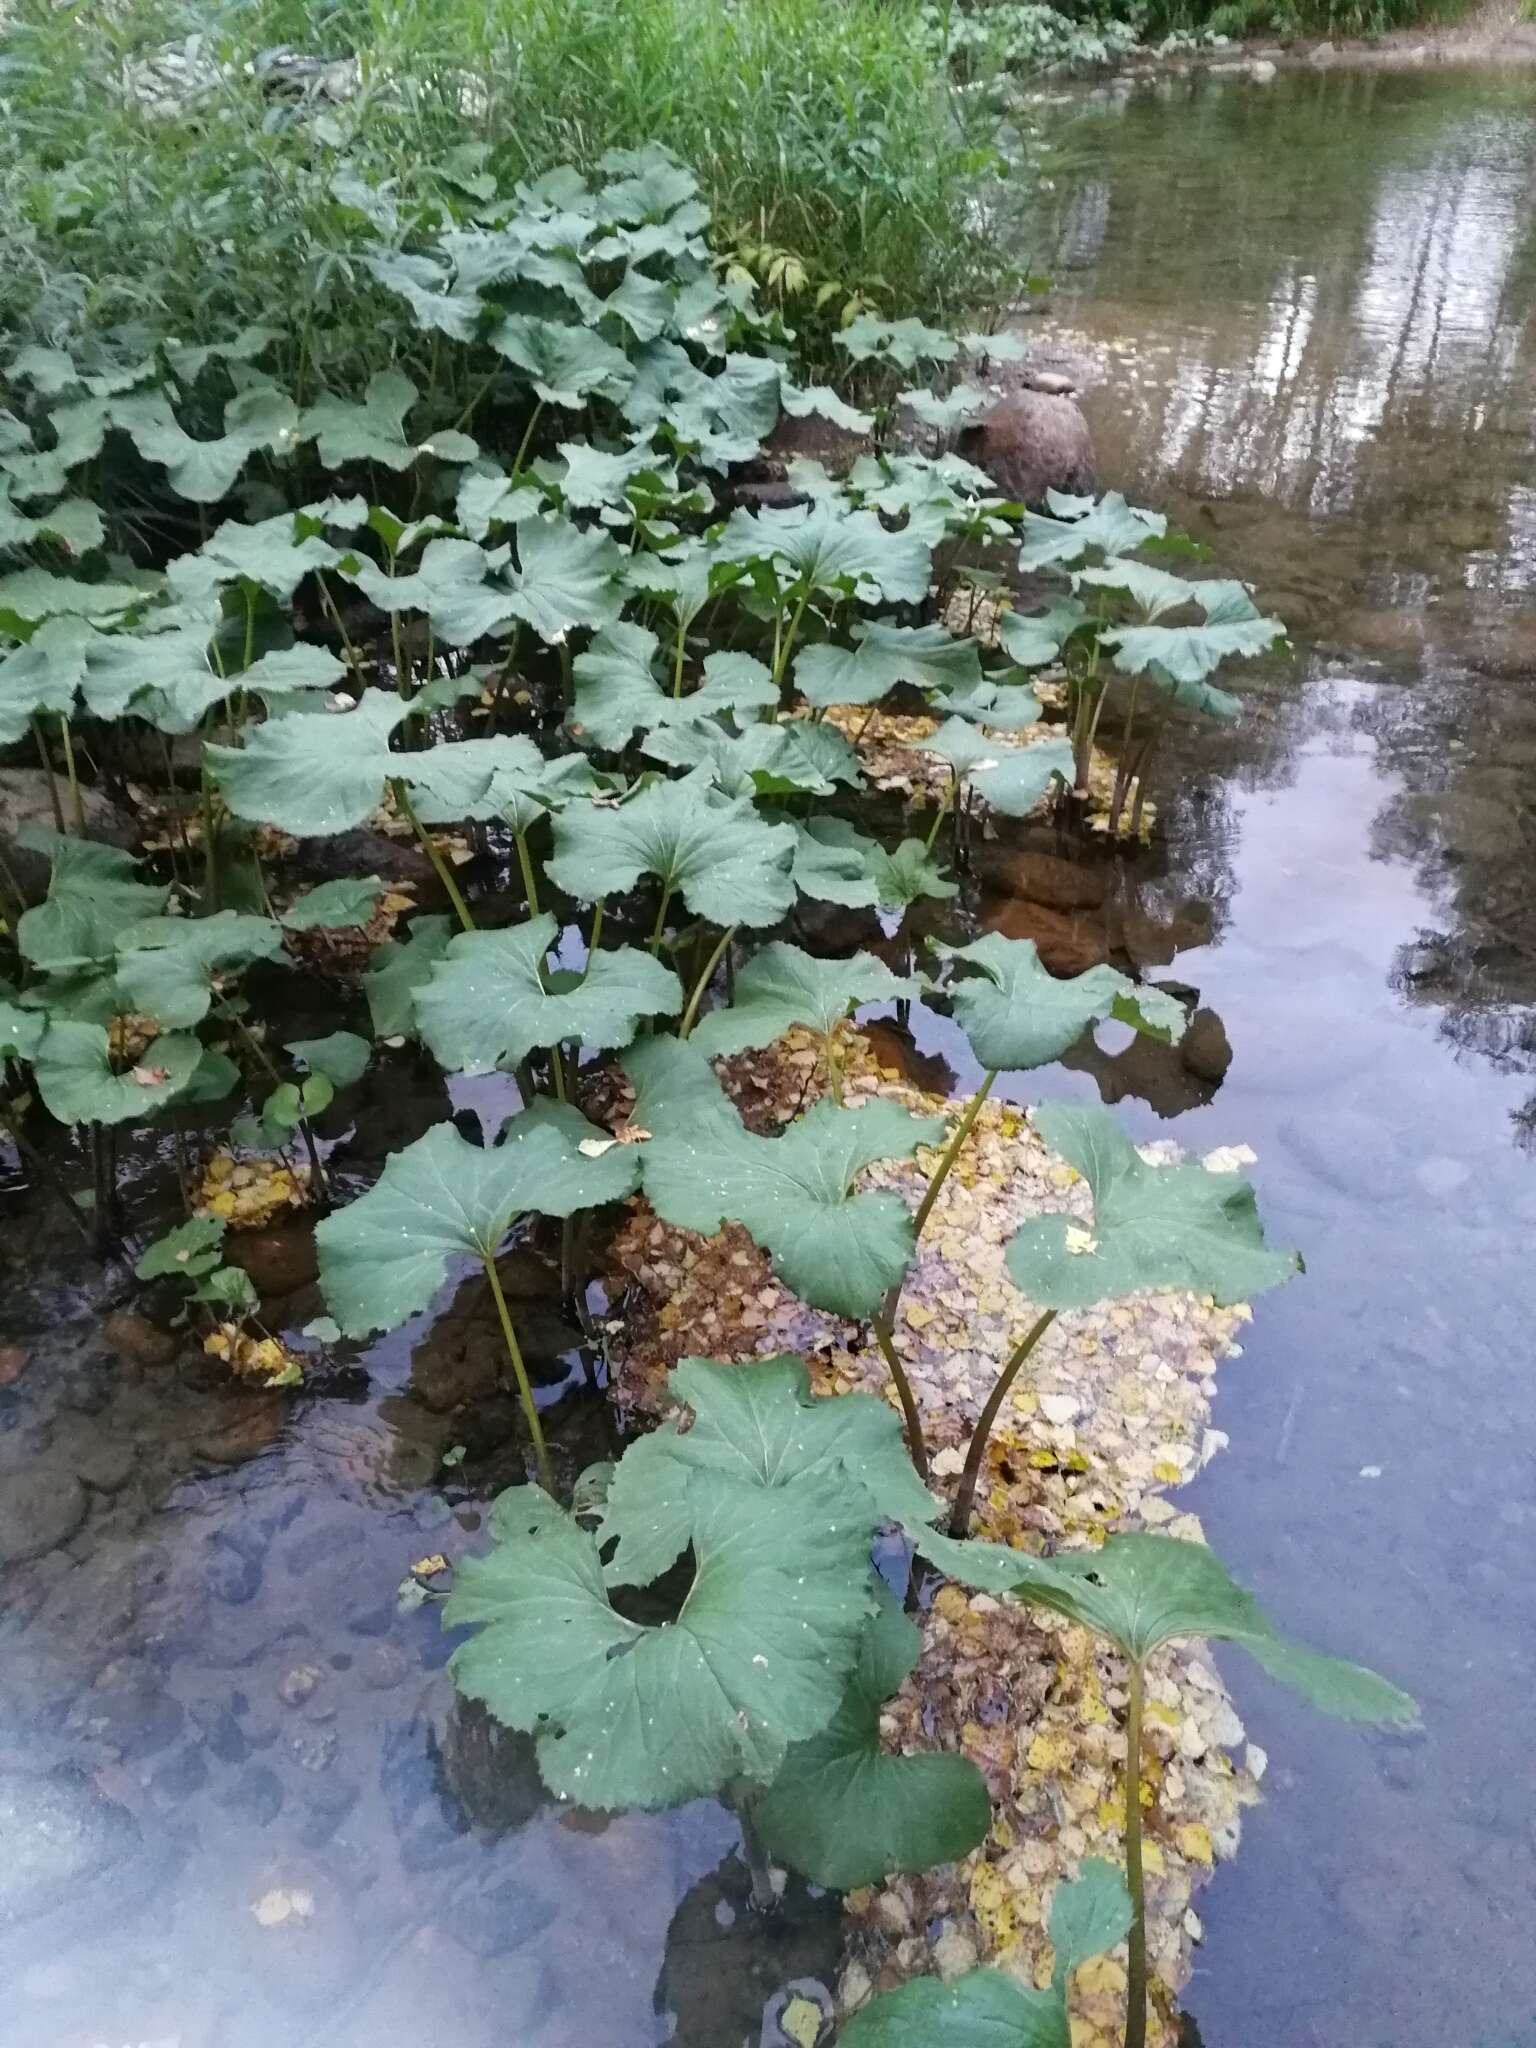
x=1044 y=877
x=40 y=1508
x=1069 y=942
x=136 y=1337
x=1033 y=442
x=279 y=1260
x=1205 y=1048
x=13 y=1363
x=253 y=1428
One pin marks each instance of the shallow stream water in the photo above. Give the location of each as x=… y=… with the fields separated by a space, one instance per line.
x=240 y=1807
x=1309 y=308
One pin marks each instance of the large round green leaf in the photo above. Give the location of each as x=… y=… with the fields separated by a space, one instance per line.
x=78 y=1082
x=1012 y=779
x=1016 y=1015
x=845 y=1813
x=726 y=863
x=491 y=998
x=626 y=1715
x=929 y=657
x=92 y=896
x=1153 y=1226
x=166 y=965
x=782 y=986
x=384 y=1256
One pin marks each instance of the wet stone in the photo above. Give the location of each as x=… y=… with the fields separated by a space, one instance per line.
x=255 y=1798
x=134 y=1337
x=230 y=1575
x=494 y=1916
x=60 y=1833
x=40 y=1508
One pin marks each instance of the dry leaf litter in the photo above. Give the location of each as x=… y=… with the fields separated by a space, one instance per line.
x=1113 y=1410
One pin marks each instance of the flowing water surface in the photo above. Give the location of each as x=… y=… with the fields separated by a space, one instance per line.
x=1308 y=308
x=238 y=1804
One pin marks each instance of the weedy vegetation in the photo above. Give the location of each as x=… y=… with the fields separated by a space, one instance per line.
x=469 y=566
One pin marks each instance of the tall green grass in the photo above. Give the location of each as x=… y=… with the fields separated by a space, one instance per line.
x=821 y=128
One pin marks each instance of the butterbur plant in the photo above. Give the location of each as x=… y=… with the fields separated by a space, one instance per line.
x=505 y=623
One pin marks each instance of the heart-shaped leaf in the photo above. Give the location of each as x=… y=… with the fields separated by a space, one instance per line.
x=1179 y=658
x=929 y=657
x=1140 y=1591
x=80 y=1085
x=1111 y=527
x=1033 y=638
x=92 y=896
x=166 y=965
x=845 y=1813
x=1012 y=779
x=625 y=1715
x=185 y=1253
x=617 y=694
x=781 y=986
x=826 y=549
x=1088 y=1917
x=42 y=674
x=374 y=431
x=838 y=1250
x=963 y=406
x=564 y=578
x=384 y=1256
x=205 y=471
x=491 y=999
x=564 y=364
x=1153 y=1226
x=905 y=343
x=1015 y=1015
x=452 y=585
x=835 y=863
x=314 y=773
x=725 y=862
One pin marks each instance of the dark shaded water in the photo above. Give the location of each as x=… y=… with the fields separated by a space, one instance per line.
x=1310 y=307
x=1309 y=304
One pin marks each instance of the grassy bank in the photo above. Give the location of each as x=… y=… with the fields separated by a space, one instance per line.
x=174 y=165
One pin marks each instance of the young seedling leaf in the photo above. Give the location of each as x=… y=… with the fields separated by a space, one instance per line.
x=384 y=1256
x=491 y=998
x=186 y=1252
x=929 y=657
x=341 y=1056
x=843 y=1812
x=1015 y=1015
x=793 y=1193
x=725 y=862
x=629 y=1716
x=782 y=986
x=1089 y=1916
x=1153 y=1226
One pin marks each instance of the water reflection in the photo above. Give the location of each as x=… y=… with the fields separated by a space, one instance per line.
x=1309 y=307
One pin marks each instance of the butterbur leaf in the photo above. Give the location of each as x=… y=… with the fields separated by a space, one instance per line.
x=20 y=1031
x=205 y=471
x=837 y=864
x=1089 y=1916
x=92 y=896
x=564 y=577
x=1111 y=527
x=963 y=406
x=269 y=552
x=594 y=477
x=1012 y=779
x=793 y=1194
x=1152 y=591
x=725 y=862
x=42 y=674
x=905 y=343
x=1153 y=1226
x=491 y=999
x=781 y=986
x=843 y=1812
x=629 y=1716
x=495 y=500
x=399 y=968
x=820 y=401
x=312 y=774
x=341 y=1056
x=617 y=694
x=990 y=2009
x=189 y=1250
x=792 y=758
x=1033 y=638
x=452 y=584
x=827 y=549
x=374 y=431
x=1140 y=1591
x=997 y=703
x=564 y=364
x=166 y=965
x=77 y=1081
x=1016 y=1015
x=333 y=906
x=758 y=1424
x=384 y=1256
x=1178 y=659
x=930 y=657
